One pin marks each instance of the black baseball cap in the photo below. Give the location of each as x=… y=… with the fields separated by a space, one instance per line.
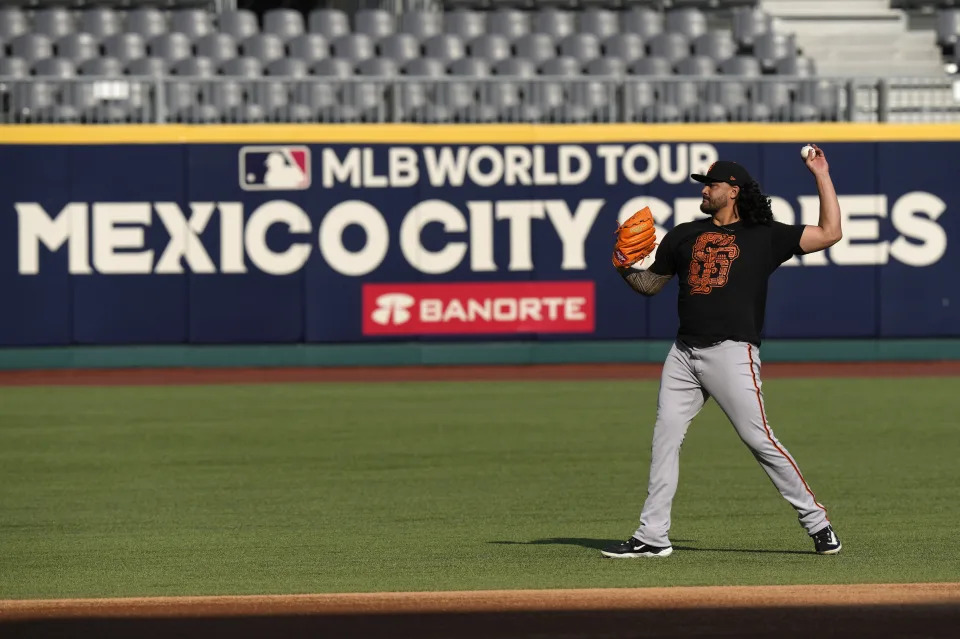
x=724 y=171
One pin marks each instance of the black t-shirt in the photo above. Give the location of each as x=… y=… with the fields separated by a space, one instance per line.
x=723 y=273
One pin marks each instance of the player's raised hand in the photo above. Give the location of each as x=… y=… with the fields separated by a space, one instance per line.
x=816 y=161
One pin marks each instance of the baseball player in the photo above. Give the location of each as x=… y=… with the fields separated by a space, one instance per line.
x=723 y=263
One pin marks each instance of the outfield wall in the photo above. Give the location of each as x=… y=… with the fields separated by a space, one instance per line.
x=427 y=236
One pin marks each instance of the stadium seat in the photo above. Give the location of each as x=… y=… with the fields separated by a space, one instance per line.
x=151 y=67
x=583 y=47
x=31 y=47
x=519 y=67
x=537 y=47
x=170 y=46
x=421 y=24
x=193 y=23
x=490 y=46
x=560 y=66
x=509 y=23
x=239 y=24
x=471 y=67
x=99 y=67
x=286 y=24
x=426 y=67
x=330 y=23
x=606 y=66
x=381 y=67
x=332 y=67
x=196 y=67
x=13 y=23
x=216 y=46
x=287 y=67
x=400 y=47
x=642 y=21
x=554 y=22
x=690 y=22
x=601 y=22
x=446 y=47
x=54 y=22
x=242 y=66
x=651 y=66
x=54 y=68
x=697 y=65
x=464 y=24
x=149 y=22
x=125 y=46
x=100 y=22
x=376 y=23
x=14 y=67
x=77 y=47
x=309 y=47
x=265 y=47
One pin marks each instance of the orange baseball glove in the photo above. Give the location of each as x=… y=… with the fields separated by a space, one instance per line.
x=636 y=239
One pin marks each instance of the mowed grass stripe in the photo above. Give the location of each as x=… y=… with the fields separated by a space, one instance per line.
x=312 y=488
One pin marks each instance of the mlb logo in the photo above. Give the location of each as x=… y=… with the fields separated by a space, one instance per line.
x=274 y=168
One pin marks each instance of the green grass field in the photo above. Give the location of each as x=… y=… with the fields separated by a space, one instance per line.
x=456 y=486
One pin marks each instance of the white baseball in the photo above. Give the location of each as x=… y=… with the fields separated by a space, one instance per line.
x=805 y=151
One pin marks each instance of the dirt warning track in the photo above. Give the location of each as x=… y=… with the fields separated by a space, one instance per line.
x=163 y=376
x=883 y=610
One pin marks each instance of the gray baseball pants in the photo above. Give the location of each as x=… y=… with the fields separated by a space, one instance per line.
x=730 y=373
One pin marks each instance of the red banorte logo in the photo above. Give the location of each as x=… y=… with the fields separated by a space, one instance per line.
x=478 y=307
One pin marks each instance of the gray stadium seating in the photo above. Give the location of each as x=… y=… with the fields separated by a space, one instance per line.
x=465 y=24
x=31 y=46
x=240 y=24
x=193 y=23
x=78 y=47
x=584 y=47
x=242 y=66
x=446 y=47
x=598 y=21
x=149 y=22
x=216 y=46
x=626 y=46
x=330 y=23
x=309 y=47
x=195 y=67
x=13 y=22
x=376 y=23
x=490 y=46
x=399 y=46
x=554 y=22
x=596 y=62
x=287 y=67
x=99 y=67
x=100 y=22
x=55 y=68
x=421 y=24
x=54 y=22
x=286 y=24
x=152 y=67
x=125 y=46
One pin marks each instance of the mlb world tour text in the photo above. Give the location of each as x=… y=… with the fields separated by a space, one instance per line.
x=112 y=237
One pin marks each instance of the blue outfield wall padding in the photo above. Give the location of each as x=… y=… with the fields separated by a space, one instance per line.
x=413 y=354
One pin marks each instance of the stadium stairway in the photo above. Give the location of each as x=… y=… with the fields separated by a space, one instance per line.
x=858 y=37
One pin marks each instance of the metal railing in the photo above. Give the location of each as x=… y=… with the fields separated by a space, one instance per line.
x=466 y=99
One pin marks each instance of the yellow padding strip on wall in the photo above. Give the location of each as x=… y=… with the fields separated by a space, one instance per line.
x=472 y=133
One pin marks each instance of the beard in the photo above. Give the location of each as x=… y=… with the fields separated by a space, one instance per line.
x=711 y=206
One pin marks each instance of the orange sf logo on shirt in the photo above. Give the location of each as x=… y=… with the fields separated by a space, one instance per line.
x=712 y=256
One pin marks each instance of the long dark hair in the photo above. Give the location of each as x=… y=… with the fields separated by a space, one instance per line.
x=753 y=206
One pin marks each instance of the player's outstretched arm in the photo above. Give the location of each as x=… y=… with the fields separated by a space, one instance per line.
x=827 y=232
x=644 y=282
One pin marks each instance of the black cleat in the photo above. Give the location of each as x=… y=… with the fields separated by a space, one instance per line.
x=826 y=542
x=634 y=548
